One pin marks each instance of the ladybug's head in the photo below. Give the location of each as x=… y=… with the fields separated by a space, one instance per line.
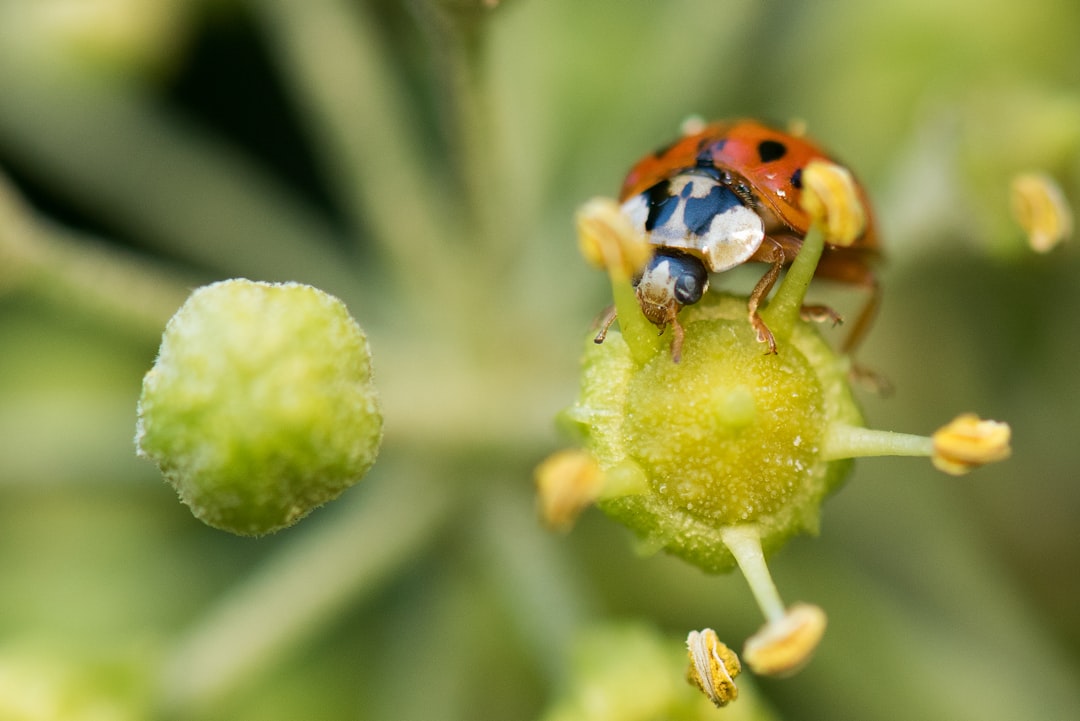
x=670 y=281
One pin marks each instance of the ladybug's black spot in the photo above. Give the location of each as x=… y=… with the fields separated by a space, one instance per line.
x=796 y=179
x=662 y=205
x=699 y=212
x=770 y=150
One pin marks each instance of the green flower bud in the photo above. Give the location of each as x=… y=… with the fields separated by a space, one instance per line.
x=260 y=405
x=728 y=436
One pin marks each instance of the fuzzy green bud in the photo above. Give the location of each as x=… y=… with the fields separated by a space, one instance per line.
x=260 y=405
x=728 y=436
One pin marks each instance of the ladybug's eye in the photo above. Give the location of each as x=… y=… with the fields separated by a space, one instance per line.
x=672 y=277
x=691 y=278
x=688 y=290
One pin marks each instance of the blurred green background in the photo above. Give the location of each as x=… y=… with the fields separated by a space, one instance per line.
x=423 y=161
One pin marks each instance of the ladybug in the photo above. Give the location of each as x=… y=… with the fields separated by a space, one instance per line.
x=725 y=195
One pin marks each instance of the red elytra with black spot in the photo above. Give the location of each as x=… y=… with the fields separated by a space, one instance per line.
x=763 y=167
x=767 y=161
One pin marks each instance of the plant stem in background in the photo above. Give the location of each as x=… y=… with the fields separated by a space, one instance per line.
x=458 y=34
x=75 y=270
x=163 y=180
x=343 y=77
x=301 y=589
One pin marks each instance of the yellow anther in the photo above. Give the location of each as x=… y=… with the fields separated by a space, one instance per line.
x=969 y=442
x=713 y=666
x=566 y=483
x=784 y=645
x=608 y=240
x=831 y=198
x=1040 y=207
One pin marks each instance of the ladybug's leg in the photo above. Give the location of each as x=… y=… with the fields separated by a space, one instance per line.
x=676 y=338
x=610 y=315
x=864 y=320
x=820 y=314
x=605 y=322
x=864 y=376
x=774 y=255
x=852 y=267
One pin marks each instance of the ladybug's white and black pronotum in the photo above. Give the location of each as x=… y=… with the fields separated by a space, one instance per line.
x=727 y=195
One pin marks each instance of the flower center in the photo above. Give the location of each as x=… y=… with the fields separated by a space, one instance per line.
x=728 y=435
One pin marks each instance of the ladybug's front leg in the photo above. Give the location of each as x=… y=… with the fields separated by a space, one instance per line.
x=604 y=322
x=774 y=254
x=677 y=338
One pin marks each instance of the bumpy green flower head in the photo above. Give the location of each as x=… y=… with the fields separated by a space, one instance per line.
x=260 y=405
x=726 y=436
x=714 y=450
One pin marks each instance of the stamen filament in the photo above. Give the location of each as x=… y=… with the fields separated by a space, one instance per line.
x=782 y=313
x=640 y=335
x=744 y=542
x=844 y=441
x=607 y=240
x=831 y=199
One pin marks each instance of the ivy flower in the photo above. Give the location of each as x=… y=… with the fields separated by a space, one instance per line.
x=723 y=456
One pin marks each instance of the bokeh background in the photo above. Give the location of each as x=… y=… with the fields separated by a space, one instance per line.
x=423 y=161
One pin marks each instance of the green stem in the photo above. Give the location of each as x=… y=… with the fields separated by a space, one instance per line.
x=301 y=589
x=783 y=310
x=843 y=441
x=457 y=33
x=360 y=121
x=114 y=147
x=545 y=596
x=82 y=273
